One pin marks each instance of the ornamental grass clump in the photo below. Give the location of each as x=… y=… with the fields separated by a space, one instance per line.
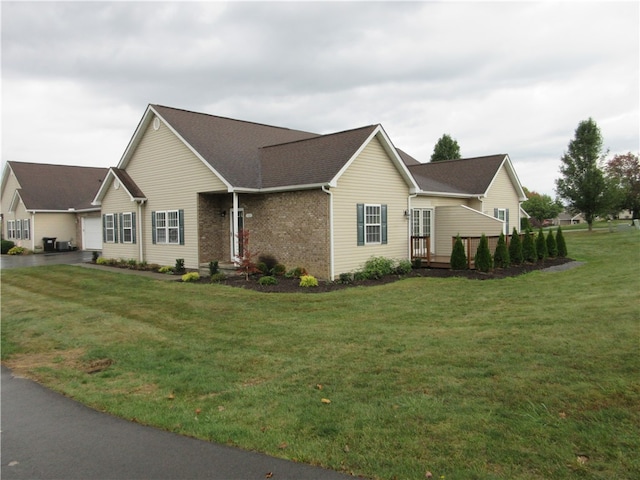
x=307 y=281
x=191 y=277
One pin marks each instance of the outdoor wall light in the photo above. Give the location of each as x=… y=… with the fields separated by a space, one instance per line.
x=223 y=213
x=406 y=213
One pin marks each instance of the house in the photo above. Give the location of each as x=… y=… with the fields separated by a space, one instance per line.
x=52 y=202
x=567 y=218
x=189 y=182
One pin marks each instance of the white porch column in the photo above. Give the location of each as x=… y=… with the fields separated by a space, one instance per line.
x=234 y=229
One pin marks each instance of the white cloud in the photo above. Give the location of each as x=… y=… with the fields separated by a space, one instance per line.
x=499 y=77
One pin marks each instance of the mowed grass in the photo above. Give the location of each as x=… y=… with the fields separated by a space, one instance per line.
x=533 y=377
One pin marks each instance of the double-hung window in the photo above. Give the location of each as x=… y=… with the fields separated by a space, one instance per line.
x=168 y=227
x=26 y=230
x=372 y=224
x=127 y=228
x=18 y=229
x=109 y=228
x=11 y=229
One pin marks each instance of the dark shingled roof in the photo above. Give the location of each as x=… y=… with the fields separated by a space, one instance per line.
x=57 y=187
x=128 y=183
x=466 y=176
x=231 y=147
x=310 y=162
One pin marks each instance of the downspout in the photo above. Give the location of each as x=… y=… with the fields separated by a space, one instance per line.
x=331 y=253
x=413 y=195
x=32 y=228
x=140 y=230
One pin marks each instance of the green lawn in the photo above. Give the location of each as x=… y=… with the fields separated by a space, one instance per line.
x=534 y=377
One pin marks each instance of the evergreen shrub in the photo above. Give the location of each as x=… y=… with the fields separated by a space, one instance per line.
x=501 y=255
x=458 y=258
x=515 y=248
x=483 y=260
x=529 y=253
x=552 y=246
x=541 y=245
x=562 y=246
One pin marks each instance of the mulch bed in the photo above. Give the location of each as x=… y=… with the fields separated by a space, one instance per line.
x=292 y=285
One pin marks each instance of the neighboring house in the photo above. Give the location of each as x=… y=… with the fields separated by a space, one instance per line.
x=51 y=201
x=566 y=218
x=189 y=182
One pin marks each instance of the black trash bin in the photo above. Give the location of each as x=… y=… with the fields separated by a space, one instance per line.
x=49 y=244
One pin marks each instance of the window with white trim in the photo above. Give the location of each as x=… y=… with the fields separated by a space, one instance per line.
x=18 y=229
x=372 y=224
x=26 y=229
x=109 y=228
x=167 y=227
x=11 y=229
x=127 y=228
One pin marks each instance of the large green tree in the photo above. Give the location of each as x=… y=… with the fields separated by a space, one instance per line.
x=623 y=175
x=446 y=148
x=582 y=183
x=541 y=207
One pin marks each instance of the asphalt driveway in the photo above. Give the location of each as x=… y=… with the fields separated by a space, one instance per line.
x=41 y=259
x=48 y=436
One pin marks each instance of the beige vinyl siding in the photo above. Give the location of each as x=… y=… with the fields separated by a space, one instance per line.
x=170 y=176
x=117 y=201
x=372 y=178
x=451 y=221
x=62 y=226
x=432 y=202
x=502 y=194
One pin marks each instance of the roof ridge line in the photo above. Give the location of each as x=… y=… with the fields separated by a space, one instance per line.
x=318 y=136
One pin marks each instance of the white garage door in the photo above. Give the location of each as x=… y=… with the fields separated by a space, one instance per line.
x=92 y=233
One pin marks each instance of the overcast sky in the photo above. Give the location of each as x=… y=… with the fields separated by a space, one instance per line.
x=499 y=77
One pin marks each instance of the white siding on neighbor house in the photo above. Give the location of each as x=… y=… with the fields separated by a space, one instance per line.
x=372 y=178
x=466 y=222
x=170 y=176
x=502 y=194
x=117 y=201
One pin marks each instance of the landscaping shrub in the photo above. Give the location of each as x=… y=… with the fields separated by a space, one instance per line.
x=416 y=263
x=378 y=267
x=360 y=276
x=552 y=246
x=483 y=259
x=403 y=267
x=515 y=248
x=269 y=261
x=345 y=278
x=165 y=269
x=218 y=277
x=6 y=246
x=262 y=268
x=308 y=281
x=529 y=253
x=268 y=280
x=179 y=268
x=132 y=264
x=458 y=258
x=279 y=269
x=16 y=251
x=213 y=268
x=501 y=255
x=562 y=246
x=296 y=272
x=541 y=245
x=191 y=277
x=94 y=257
x=102 y=261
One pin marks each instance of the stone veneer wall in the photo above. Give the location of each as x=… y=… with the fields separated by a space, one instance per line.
x=293 y=227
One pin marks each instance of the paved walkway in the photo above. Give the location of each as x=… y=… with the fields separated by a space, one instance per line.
x=48 y=436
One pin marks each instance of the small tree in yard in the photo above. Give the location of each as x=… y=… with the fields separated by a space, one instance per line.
x=541 y=246
x=246 y=263
x=515 y=248
x=529 y=253
x=458 y=259
x=562 y=246
x=552 y=246
x=483 y=259
x=501 y=256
